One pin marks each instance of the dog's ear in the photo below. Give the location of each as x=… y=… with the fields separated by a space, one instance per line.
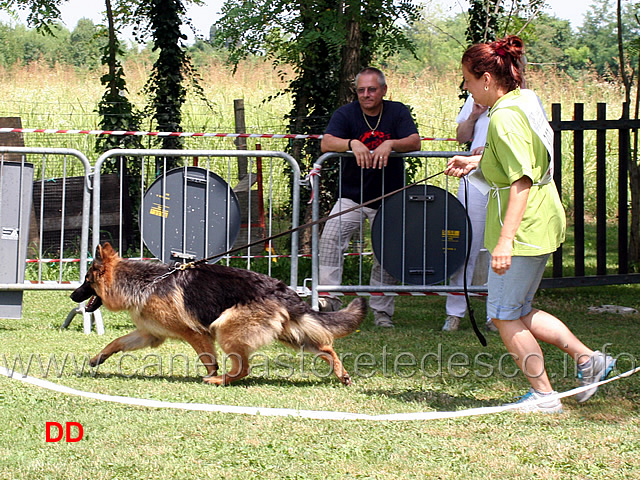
x=97 y=256
x=106 y=251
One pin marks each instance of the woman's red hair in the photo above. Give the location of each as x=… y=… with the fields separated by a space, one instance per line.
x=502 y=59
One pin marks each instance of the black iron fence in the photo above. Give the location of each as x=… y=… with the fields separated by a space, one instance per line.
x=604 y=275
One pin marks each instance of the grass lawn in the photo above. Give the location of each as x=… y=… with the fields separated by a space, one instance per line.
x=413 y=368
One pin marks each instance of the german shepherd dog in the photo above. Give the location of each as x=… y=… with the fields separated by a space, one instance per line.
x=242 y=310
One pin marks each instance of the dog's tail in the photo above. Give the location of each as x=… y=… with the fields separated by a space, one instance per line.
x=345 y=321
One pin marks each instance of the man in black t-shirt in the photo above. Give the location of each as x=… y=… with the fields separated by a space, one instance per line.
x=371 y=128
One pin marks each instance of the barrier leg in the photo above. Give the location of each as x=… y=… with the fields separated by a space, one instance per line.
x=88 y=318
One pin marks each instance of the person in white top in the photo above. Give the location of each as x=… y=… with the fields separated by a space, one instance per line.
x=473 y=121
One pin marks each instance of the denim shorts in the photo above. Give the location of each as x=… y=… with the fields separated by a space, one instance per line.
x=511 y=294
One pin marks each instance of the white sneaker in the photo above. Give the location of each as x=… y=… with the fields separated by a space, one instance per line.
x=451 y=324
x=598 y=368
x=531 y=402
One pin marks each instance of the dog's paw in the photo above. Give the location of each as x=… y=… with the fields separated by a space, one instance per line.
x=214 y=380
x=97 y=360
x=346 y=379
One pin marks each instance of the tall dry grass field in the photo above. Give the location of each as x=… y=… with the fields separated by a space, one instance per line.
x=66 y=98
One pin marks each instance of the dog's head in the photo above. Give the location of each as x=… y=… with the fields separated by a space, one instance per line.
x=96 y=279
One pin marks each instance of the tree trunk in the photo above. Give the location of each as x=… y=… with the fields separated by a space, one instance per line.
x=634 y=234
x=351 y=63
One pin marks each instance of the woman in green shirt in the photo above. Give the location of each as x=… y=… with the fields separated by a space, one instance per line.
x=525 y=220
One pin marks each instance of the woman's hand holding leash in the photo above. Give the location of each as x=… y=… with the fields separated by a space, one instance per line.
x=460 y=165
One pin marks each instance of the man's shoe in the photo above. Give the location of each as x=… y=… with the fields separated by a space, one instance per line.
x=451 y=324
x=532 y=402
x=329 y=304
x=490 y=326
x=381 y=319
x=598 y=367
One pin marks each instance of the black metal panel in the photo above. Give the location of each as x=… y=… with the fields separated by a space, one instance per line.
x=420 y=235
x=190 y=213
x=601 y=194
x=624 y=156
x=578 y=195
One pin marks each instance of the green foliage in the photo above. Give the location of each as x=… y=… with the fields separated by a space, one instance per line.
x=483 y=20
x=85 y=44
x=22 y=45
x=438 y=40
x=547 y=41
x=165 y=84
x=116 y=111
x=43 y=14
x=599 y=34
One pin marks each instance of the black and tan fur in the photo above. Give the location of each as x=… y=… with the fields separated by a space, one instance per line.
x=242 y=310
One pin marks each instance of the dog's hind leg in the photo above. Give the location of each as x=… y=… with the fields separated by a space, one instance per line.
x=329 y=355
x=239 y=369
x=203 y=345
x=132 y=341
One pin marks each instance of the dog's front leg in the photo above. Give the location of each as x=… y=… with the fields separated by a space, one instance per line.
x=203 y=345
x=132 y=341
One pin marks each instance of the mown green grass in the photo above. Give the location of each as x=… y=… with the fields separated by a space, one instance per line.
x=600 y=439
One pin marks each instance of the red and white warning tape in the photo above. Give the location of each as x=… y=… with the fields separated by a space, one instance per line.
x=182 y=134
x=156 y=134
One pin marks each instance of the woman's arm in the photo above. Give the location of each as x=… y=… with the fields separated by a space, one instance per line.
x=460 y=165
x=518 y=196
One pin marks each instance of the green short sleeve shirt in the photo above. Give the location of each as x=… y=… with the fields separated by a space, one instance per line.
x=514 y=150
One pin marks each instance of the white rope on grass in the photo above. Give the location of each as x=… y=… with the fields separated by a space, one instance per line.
x=288 y=412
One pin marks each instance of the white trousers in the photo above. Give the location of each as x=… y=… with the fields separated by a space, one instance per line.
x=477 y=210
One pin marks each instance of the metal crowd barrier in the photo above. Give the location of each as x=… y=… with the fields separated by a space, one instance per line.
x=259 y=220
x=428 y=169
x=44 y=216
x=112 y=199
x=53 y=210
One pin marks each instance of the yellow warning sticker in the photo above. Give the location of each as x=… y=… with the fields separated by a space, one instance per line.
x=451 y=235
x=158 y=210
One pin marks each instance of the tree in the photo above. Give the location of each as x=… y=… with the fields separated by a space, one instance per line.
x=599 y=33
x=634 y=166
x=491 y=19
x=549 y=41
x=325 y=42
x=85 y=44
x=43 y=14
x=439 y=41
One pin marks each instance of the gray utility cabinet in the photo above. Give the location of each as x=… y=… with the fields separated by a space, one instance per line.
x=16 y=187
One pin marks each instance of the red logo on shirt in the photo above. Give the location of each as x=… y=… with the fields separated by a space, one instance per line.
x=373 y=139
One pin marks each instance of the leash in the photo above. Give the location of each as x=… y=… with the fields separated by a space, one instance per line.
x=472 y=317
x=185 y=266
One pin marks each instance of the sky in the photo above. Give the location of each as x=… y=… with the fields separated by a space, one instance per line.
x=203 y=17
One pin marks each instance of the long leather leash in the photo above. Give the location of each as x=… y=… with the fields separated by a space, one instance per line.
x=192 y=264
